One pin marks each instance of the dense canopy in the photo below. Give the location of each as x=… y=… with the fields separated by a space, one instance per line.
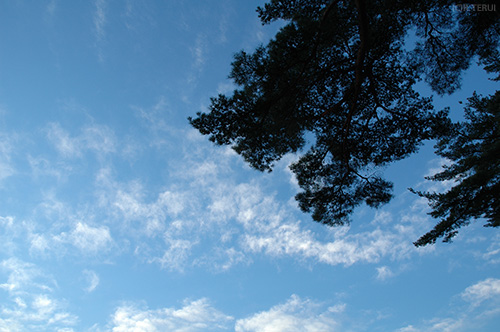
x=345 y=72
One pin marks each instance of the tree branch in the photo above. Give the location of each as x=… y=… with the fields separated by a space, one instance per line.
x=358 y=80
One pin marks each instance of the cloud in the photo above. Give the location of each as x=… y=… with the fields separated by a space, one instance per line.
x=198 y=315
x=199 y=52
x=6 y=147
x=51 y=7
x=100 y=18
x=226 y=87
x=290 y=239
x=92 y=280
x=294 y=315
x=9 y=233
x=127 y=203
x=65 y=145
x=482 y=291
x=96 y=138
x=31 y=305
x=492 y=255
x=41 y=167
x=208 y=213
x=207 y=204
x=99 y=21
x=480 y=308
x=436 y=166
x=384 y=272
x=23 y=276
x=155 y=119
x=222 y=259
x=175 y=254
x=138 y=14
x=88 y=239
x=41 y=313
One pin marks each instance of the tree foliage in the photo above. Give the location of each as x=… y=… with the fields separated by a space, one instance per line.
x=473 y=147
x=341 y=71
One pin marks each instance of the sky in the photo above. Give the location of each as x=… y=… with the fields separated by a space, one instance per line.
x=116 y=215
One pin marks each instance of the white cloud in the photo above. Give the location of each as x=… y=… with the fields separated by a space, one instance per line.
x=154 y=117
x=480 y=308
x=384 y=272
x=96 y=138
x=22 y=276
x=207 y=206
x=370 y=246
x=87 y=239
x=225 y=87
x=294 y=315
x=31 y=307
x=39 y=243
x=130 y=204
x=42 y=313
x=222 y=259
x=92 y=280
x=409 y=328
x=436 y=166
x=175 y=254
x=481 y=291
x=99 y=21
x=100 y=18
x=382 y=217
x=196 y=315
x=6 y=148
x=66 y=145
x=90 y=239
x=43 y=305
x=199 y=51
x=8 y=230
x=41 y=166
x=492 y=255
x=147 y=218
x=51 y=8
x=138 y=15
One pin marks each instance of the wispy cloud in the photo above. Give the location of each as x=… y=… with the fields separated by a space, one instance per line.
x=384 y=273
x=296 y=314
x=23 y=276
x=31 y=304
x=6 y=147
x=155 y=119
x=9 y=235
x=206 y=206
x=90 y=239
x=480 y=306
x=198 y=315
x=99 y=139
x=138 y=14
x=51 y=8
x=175 y=254
x=92 y=280
x=199 y=53
x=482 y=291
x=99 y=20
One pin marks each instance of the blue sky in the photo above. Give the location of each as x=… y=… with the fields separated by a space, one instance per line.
x=116 y=215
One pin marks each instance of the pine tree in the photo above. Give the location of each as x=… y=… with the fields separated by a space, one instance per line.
x=342 y=71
